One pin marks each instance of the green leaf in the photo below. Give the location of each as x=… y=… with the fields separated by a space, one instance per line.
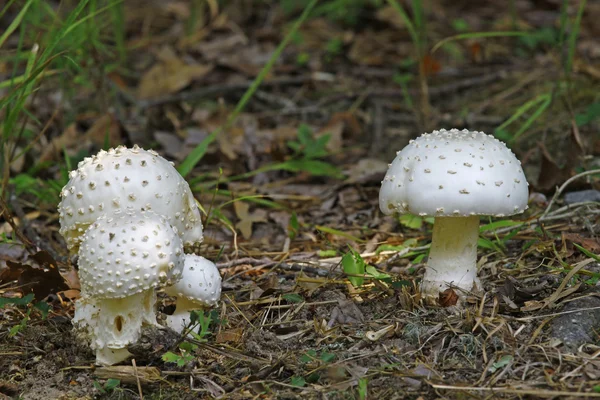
x=17 y=301
x=499 y=224
x=327 y=357
x=327 y=253
x=309 y=356
x=297 y=381
x=43 y=307
x=501 y=363
x=411 y=221
x=591 y=113
x=171 y=357
x=362 y=388
x=353 y=264
x=111 y=384
x=373 y=273
x=293 y=298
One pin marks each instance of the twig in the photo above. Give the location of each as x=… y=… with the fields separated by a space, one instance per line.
x=564 y=185
x=137 y=378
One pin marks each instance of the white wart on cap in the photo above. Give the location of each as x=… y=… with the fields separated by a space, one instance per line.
x=454 y=173
x=199 y=287
x=454 y=176
x=127 y=180
x=122 y=259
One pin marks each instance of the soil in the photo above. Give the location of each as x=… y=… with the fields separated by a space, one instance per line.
x=290 y=324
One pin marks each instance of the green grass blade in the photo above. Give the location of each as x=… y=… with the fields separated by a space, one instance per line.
x=573 y=37
x=407 y=21
x=15 y=23
x=196 y=155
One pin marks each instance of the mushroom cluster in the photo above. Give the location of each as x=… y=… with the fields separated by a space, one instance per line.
x=454 y=176
x=128 y=213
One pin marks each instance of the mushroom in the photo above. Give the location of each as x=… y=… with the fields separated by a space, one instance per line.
x=122 y=260
x=454 y=176
x=199 y=287
x=126 y=179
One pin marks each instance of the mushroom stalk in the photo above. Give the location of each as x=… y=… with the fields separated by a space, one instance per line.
x=181 y=317
x=453 y=255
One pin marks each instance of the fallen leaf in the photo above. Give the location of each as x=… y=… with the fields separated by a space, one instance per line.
x=448 y=298
x=37 y=274
x=65 y=139
x=590 y=244
x=246 y=219
x=169 y=75
x=104 y=130
x=230 y=335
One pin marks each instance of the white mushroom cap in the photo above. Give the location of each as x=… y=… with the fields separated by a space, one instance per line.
x=128 y=254
x=454 y=173
x=199 y=287
x=200 y=282
x=124 y=179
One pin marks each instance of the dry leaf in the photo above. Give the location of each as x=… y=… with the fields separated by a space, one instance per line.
x=448 y=298
x=65 y=139
x=247 y=219
x=169 y=75
x=590 y=244
x=105 y=127
x=38 y=274
x=230 y=335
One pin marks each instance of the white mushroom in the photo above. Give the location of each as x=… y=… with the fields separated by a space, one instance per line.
x=122 y=260
x=454 y=176
x=199 y=287
x=124 y=179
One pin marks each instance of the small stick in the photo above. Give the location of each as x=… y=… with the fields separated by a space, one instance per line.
x=564 y=185
x=137 y=378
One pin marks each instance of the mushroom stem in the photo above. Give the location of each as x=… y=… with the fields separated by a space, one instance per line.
x=106 y=356
x=181 y=317
x=453 y=255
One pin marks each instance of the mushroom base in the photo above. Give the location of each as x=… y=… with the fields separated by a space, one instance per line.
x=452 y=256
x=111 y=325
x=181 y=317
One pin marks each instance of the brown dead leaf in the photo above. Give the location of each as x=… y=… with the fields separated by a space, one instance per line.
x=590 y=244
x=230 y=336
x=66 y=139
x=246 y=219
x=551 y=174
x=340 y=123
x=105 y=127
x=169 y=75
x=448 y=298
x=38 y=274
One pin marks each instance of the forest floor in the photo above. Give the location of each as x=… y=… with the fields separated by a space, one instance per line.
x=289 y=187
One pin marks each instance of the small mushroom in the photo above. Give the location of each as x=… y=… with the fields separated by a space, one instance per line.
x=122 y=260
x=198 y=288
x=124 y=180
x=486 y=179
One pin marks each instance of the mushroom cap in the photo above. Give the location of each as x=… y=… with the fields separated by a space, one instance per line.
x=200 y=281
x=127 y=179
x=129 y=253
x=454 y=173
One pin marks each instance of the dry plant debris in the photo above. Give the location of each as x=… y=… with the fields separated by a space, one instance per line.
x=289 y=188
